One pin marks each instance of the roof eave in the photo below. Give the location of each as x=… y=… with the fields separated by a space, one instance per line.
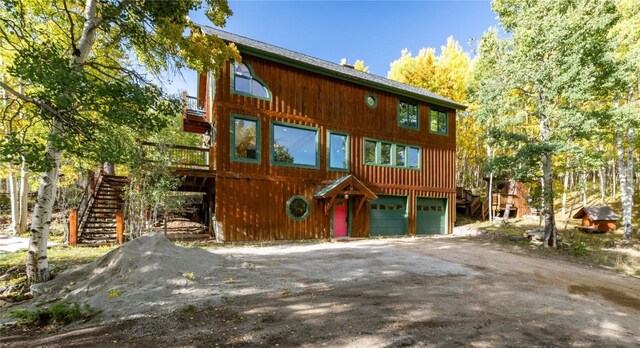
x=317 y=69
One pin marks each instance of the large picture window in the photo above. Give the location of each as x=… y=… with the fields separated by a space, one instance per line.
x=246 y=83
x=338 y=151
x=438 y=122
x=387 y=154
x=294 y=145
x=245 y=139
x=408 y=115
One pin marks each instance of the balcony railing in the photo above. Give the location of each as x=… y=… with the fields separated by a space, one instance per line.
x=178 y=156
x=193 y=106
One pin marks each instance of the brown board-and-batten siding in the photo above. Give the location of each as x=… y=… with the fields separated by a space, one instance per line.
x=251 y=198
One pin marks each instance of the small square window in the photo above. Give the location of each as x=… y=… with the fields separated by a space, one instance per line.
x=374 y=206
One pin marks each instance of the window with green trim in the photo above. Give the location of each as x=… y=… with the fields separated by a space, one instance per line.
x=338 y=151
x=294 y=145
x=298 y=208
x=370 y=151
x=245 y=82
x=438 y=122
x=387 y=154
x=408 y=115
x=245 y=139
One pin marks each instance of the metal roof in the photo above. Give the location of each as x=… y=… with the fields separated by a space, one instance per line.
x=596 y=213
x=318 y=65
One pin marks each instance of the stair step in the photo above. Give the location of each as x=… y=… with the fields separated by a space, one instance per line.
x=98 y=236
x=187 y=236
x=96 y=244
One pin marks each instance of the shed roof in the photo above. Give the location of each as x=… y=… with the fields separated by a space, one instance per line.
x=318 y=65
x=596 y=213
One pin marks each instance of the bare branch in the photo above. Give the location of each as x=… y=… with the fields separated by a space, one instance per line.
x=71 y=29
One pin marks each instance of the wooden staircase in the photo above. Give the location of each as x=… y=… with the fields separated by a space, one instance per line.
x=479 y=208
x=97 y=219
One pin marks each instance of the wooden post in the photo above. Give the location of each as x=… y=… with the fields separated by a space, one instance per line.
x=73 y=227
x=119 y=227
x=211 y=202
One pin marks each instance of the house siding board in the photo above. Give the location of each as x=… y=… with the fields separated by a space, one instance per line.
x=251 y=198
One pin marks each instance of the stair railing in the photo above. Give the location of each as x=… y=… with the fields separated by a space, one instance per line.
x=87 y=201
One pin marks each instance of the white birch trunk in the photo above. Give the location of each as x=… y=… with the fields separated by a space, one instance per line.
x=37 y=261
x=24 y=197
x=565 y=187
x=628 y=207
x=14 y=201
x=583 y=187
x=550 y=230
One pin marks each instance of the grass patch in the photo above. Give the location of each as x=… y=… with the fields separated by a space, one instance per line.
x=60 y=258
x=12 y=267
x=60 y=313
x=609 y=250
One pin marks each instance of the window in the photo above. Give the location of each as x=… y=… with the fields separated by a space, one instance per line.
x=246 y=83
x=438 y=122
x=408 y=115
x=371 y=100
x=298 y=208
x=370 y=152
x=401 y=153
x=385 y=154
x=294 y=145
x=392 y=155
x=338 y=151
x=414 y=157
x=245 y=139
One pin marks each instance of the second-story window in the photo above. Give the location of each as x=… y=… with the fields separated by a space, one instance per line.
x=294 y=145
x=408 y=115
x=338 y=151
x=245 y=82
x=387 y=154
x=438 y=123
x=245 y=139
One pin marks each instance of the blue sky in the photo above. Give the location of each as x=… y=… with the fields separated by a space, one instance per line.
x=374 y=31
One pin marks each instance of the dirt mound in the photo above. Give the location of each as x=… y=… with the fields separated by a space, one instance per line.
x=148 y=274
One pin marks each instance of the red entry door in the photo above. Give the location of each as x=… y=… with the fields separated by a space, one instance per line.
x=340 y=227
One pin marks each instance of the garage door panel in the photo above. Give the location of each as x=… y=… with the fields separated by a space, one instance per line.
x=388 y=216
x=431 y=215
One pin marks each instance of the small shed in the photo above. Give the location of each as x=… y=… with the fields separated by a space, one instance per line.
x=601 y=218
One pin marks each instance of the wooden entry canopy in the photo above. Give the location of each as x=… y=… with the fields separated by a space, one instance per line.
x=345 y=186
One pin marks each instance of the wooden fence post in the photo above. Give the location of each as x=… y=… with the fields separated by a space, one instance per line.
x=119 y=227
x=73 y=227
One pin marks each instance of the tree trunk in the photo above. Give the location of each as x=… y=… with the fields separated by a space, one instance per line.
x=37 y=262
x=550 y=230
x=583 y=187
x=14 y=196
x=628 y=207
x=565 y=187
x=24 y=197
x=507 y=207
x=490 y=208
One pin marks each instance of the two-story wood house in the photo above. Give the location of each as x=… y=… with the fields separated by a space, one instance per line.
x=304 y=148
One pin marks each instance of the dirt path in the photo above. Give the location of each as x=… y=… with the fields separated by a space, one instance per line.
x=433 y=292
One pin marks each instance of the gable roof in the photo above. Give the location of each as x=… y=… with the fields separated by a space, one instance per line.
x=342 y=183
x=317 y=65
x=598 y=212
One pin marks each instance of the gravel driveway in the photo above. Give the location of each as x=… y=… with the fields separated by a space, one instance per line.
x=434 y=292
